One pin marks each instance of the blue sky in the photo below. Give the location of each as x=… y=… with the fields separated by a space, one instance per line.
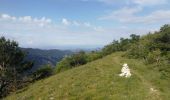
x=64 y=24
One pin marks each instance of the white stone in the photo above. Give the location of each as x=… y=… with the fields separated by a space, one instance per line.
x=153 y=90
x=51 y=98
x=125 y=71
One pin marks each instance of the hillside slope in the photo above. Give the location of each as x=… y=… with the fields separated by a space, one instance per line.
x=99 y=80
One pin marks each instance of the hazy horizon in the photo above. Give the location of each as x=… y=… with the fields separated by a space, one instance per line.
x=73 y=47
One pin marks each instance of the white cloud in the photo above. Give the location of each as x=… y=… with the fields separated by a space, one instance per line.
x=136 y=2
x=65 y=21
x=149 y=2
x=160 y=16
x=44 y=33
x=87 y=24
x=108 y=1
x=129 y=15
x=76 y=23
x=81 y=24
x=7 y=17
x=99 y=29
x=123 y=14
x=26 y=20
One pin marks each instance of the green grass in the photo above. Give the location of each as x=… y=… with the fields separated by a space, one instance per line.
x=99 y=80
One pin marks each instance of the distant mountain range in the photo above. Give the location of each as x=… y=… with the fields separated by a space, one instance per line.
x=43 y=57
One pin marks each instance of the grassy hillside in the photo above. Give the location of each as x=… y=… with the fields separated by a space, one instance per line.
x=99 y=80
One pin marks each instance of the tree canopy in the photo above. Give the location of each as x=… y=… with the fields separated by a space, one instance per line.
x=12 y=65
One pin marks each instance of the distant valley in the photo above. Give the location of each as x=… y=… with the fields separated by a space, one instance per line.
x=42 y=57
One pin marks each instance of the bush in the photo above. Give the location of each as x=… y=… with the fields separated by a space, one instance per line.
x=93 y=56
x=78 y=59
x=43 y=72
x=69 y=62
x=154 y=57
x=112 y=47
x=137 y=51
x=63 y=65
x=167 y=55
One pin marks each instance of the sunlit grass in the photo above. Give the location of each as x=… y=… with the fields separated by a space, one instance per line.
x=99 y=80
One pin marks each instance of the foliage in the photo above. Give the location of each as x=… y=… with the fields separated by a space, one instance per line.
x=154 y=49
x=154 y=56
x=74 y=60
x=158 y=40
x=113 y=47
x=43 y=72
x=78 y=59
x=122 y=45
x=137 y=51
x=12 y=65
x=94 y=55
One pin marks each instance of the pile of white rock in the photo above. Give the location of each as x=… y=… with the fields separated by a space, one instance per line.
x=125 y=71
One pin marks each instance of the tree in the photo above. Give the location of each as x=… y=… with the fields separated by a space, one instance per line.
x=124 y=44
x=134 y=38
x=165 y=27
x=11 y=65
x=112 y=47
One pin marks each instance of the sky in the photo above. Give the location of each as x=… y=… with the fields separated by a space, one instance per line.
x=72 y=24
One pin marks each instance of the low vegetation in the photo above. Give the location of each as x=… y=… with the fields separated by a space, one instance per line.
x=43 y=72
x=77 y=59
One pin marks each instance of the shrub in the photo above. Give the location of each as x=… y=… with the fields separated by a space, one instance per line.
x=93 y=56
x=154 y=56
x=63 y=65
x=79 y=58
x=43 y=72
x=137 y=51
x=69 y=62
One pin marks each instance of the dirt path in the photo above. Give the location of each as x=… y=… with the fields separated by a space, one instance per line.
x=153 y=93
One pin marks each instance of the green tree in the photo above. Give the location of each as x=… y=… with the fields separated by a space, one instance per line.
x=124 y=44
x=134 y=38
x=11 y=65
x=164 y=27
x=112 y=47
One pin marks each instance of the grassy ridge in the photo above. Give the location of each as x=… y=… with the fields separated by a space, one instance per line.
x=99 y=80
